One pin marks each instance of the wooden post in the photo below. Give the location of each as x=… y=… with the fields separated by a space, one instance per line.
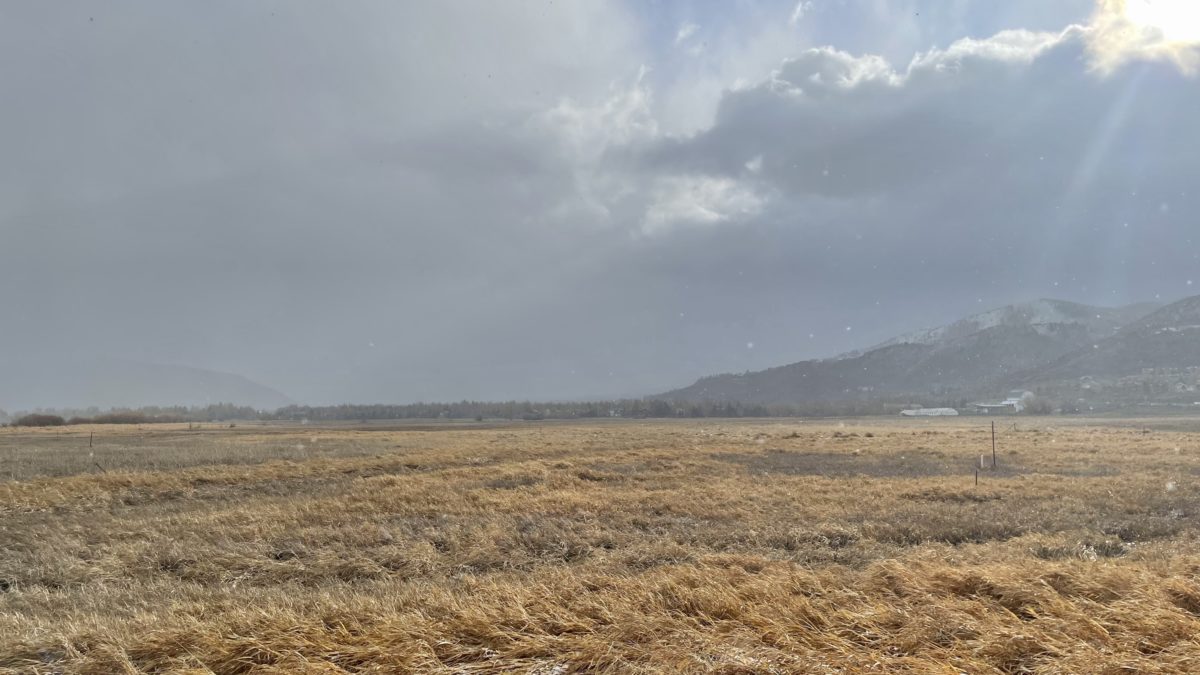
x=91 y=437
x=976 y=477
x=993 y=445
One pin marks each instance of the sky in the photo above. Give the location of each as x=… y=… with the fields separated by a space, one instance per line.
x=379 y=201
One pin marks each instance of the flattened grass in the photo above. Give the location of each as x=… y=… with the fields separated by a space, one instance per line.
x=704 y=546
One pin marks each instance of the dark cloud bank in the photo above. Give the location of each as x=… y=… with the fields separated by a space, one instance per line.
x=416 y=204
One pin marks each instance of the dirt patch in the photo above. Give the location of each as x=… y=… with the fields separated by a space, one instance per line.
x=845 y=464
x=915 y=464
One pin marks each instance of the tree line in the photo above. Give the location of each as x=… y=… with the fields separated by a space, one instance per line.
x=621 y=408
x=461 y=410
x=146 y=415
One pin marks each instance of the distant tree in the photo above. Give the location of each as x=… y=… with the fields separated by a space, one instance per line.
x=659 y=408
x=1038 y=406
x=39 y=420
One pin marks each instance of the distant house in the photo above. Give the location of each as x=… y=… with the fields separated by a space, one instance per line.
x=996 y=408
x=929 y=412
x=1014 y=404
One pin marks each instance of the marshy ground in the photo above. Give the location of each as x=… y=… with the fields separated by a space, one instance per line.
x=608 y=546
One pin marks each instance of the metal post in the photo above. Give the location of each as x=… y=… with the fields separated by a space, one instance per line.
x=993 y=445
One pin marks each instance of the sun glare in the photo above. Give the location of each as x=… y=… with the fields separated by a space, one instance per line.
x=1177 y=20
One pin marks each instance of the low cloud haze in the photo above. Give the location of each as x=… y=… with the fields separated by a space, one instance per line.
x=394 y=202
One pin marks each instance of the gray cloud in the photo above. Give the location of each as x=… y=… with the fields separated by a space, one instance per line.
x=457 y=200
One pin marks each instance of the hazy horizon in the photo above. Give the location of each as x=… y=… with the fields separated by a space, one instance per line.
x=555 y=201
x=83 y=398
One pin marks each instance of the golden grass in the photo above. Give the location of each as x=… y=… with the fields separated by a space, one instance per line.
x=698 y=546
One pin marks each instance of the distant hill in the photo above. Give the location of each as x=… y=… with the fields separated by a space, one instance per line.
x=109 y=383
x=1165 y=340
x=964 y=358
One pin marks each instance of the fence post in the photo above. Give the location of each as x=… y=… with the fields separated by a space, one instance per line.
x=993 y=445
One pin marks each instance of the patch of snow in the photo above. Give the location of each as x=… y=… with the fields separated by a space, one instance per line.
x=1039 y=314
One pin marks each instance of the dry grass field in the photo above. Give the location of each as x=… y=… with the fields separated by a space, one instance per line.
x=628 y=547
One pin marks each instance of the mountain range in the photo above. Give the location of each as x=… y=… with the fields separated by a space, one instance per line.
x=1053 y=347
x=1065 y=351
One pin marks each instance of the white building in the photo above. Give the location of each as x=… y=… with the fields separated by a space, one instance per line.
x=1014 y=404
x=930 y=412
